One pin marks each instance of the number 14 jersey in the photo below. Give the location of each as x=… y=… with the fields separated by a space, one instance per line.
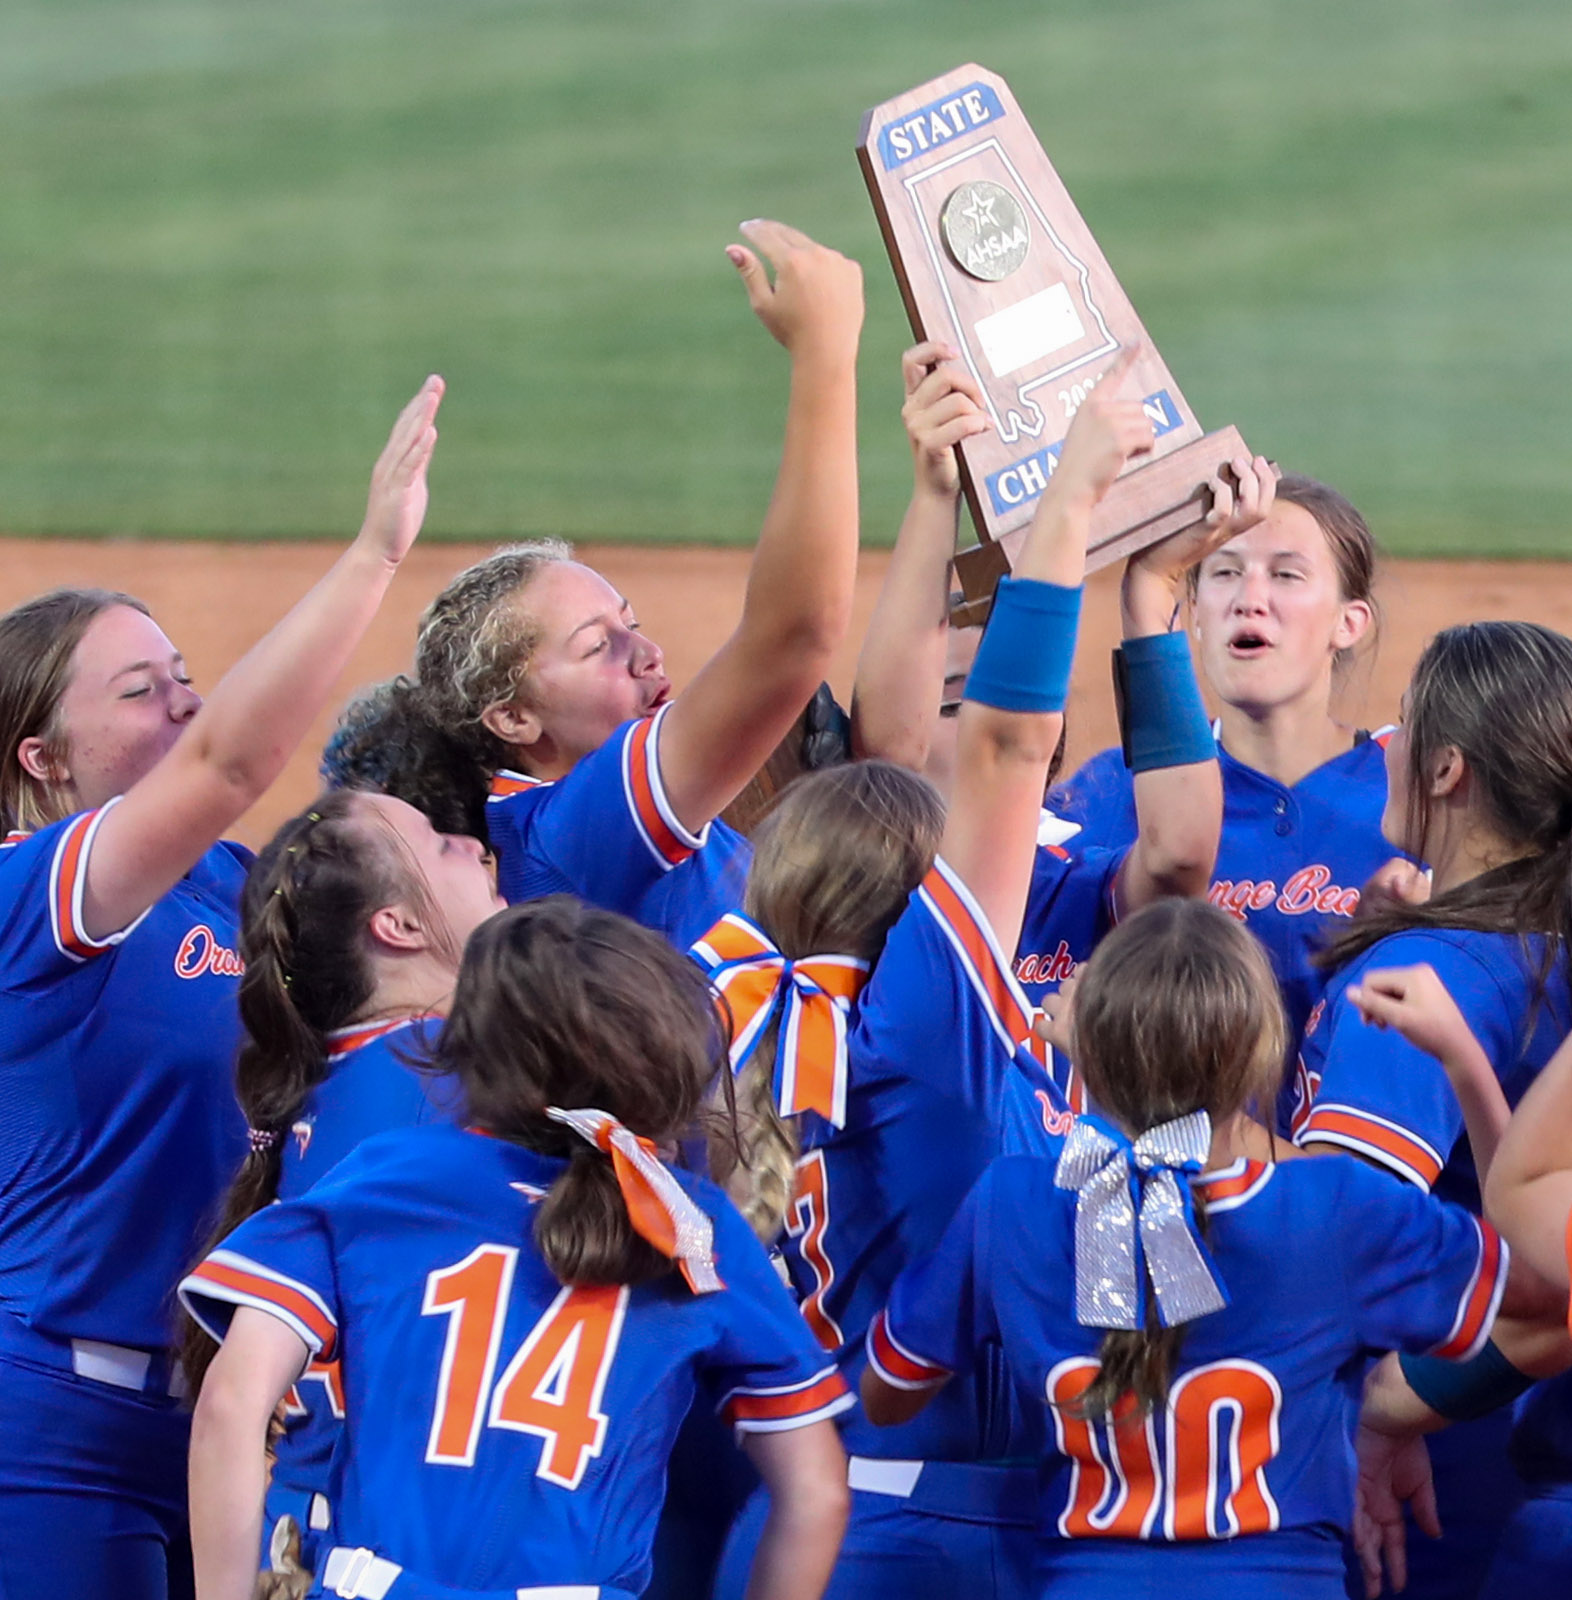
x=502 y=1430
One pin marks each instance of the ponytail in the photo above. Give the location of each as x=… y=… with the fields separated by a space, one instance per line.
x=303 y=911
x=559 y=1004
x=763 y=1181
x=583 y=1230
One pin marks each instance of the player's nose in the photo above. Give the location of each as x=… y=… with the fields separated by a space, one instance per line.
x=1250 y=595
x=184 y=703
x=648 y=656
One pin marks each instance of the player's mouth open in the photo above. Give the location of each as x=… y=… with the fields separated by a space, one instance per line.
x=662 y=695
x=1246 y=646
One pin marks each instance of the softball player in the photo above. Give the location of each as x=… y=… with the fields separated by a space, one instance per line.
x=353 y=919
x=517 y=1353
x=879 y=1033
x=1075 y=892
x=1202 y=1444
x=1278 y=611
x=1479 y=774
x=117 y=990
x=1520 y=1161
x=537 y=664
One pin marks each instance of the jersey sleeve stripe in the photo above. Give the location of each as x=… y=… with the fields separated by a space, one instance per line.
x=895 y=1364
x=786 y=1407
x=669 y=841
x=1476 y=1313
x=68 y=884
x=232 y=1278
x=504 y=785
x=967 y=930
x=1367 y=1135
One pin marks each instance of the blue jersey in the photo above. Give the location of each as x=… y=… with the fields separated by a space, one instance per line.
x=1068 y=909
x=501 y=1430
x=372 y=1085
x=119 y=1129
x=607 y=834
x=1290 y=861
x=1250 y=1465
x=1369 y=1090
x=937 y=1086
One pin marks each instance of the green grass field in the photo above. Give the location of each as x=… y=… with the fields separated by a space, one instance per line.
x=234 y=234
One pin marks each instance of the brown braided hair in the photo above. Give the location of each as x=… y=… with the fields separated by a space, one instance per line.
x=303 y=915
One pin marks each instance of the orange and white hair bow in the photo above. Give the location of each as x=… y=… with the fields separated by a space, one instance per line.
x=659 y=1208
x=812 y=998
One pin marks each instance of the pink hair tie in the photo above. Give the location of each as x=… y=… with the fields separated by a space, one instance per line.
x=262 y=1139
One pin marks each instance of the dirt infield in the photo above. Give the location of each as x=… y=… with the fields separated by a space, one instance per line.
x=215 y=600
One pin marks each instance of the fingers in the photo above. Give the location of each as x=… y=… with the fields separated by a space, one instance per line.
x=774 y=240
x=943 y=380
x=1367 y=1542
x=1423 y=1505
x=754 y=278
x=1222 y=502
x=1119 y=369
x=1394 y=1552
x=918 y=362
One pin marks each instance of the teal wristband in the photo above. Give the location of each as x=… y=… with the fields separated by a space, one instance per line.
x=1028 y=647
x=1162 y=722
x=1463 y=1390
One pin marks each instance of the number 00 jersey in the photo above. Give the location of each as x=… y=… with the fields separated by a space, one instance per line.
x=1326 y=1262
x=501 y=1430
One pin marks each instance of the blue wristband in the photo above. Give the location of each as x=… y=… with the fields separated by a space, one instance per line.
x=1463 y=1390
x=1162 y=722
x=1024 y=660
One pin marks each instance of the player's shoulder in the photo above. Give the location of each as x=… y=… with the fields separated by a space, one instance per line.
x=1466 y=956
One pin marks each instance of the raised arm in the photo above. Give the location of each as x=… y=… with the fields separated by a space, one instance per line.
x=798 y=603
x=1009 y=722
x=1528 y=1190
x=900 y=672
x=1415 y=1003
x=238 y=742
x=1178 y=789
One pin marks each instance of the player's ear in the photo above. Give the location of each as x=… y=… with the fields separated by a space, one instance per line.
x=38 y=761
x=398 y=928
x=1447 y=771
x=1353 y=624
x=513 y=724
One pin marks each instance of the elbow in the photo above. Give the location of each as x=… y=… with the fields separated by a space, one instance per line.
x=886 y=1406
x=1182 y=873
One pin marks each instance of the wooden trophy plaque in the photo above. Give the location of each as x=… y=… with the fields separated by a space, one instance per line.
x=992 y=256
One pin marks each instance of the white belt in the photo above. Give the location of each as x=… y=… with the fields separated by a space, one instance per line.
x=360 y=1575
x=120 y=1365
x=872 y=1476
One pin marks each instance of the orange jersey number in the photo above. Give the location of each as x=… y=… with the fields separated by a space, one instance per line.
x=1200 y=1464
x=553 y=1385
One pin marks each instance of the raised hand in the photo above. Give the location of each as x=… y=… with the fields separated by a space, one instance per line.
x=1415 y=1002
x=1109 y=429
x=814 y=307
x=1397 y=882
x=944 y=405
x=396 y=505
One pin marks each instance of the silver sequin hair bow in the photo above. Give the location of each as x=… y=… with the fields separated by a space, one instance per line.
x=1134 y=1216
